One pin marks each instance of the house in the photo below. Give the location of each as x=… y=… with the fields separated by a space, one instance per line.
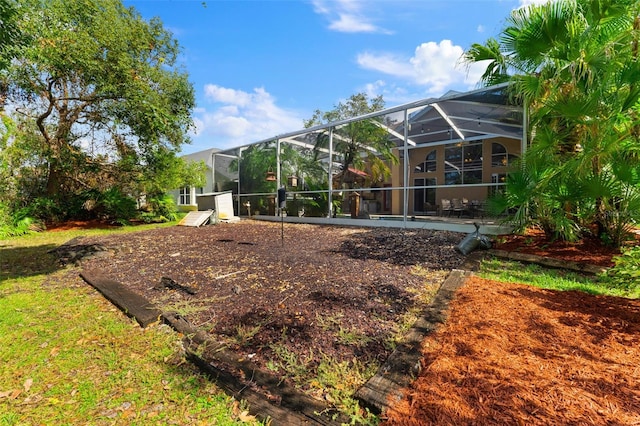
x=218 y=178
x=458 y=146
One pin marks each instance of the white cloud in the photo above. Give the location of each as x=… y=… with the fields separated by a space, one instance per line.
x=434 y=66
x=524 y=3
x=351 y=24
x=347 y=16
x=386 y=63
x=232 y=117
x=480 y=28
x=226 y=96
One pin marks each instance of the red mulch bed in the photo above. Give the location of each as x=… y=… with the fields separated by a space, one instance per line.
x=517 y=355
x=588 y=250
x=73 y=225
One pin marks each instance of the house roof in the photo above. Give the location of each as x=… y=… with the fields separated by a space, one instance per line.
x=204 y=155
x=454 y=117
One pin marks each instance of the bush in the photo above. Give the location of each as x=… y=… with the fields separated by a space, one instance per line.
x=625 y=275
x=16 y=226
x=43 y=209
x=115 y=206
x=160 y=208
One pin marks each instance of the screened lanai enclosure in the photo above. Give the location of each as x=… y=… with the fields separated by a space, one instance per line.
x=434 y=157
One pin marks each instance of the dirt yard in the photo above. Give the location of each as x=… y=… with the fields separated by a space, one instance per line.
x=318 y=292
x=508 y=355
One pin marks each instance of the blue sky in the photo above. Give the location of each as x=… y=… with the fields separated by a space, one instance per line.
x=260 y=67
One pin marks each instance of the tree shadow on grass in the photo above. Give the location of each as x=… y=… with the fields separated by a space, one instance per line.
x=22 y=262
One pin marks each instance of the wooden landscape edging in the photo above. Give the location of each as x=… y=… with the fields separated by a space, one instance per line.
x=548 y=261
x=403 y=365
x=132 y=304
x=268 y=397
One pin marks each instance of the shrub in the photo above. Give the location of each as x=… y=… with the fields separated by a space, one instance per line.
x=41 y=208
x=625 y=275
x=115 y=206
x=161 y=208
x=16 y=226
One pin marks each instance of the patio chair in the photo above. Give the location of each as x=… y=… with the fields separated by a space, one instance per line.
x=476 y=208
x=458 y=207
x=446 y=206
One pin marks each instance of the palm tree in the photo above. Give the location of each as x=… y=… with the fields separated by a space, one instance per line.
x=574 y=64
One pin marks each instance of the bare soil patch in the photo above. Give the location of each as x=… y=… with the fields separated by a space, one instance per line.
x=509 y=354
x=341 y=293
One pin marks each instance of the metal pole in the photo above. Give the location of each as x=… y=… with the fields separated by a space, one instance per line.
x=239 y=161
x=405 y=194
x=330 y=197
x=278 y=171
x=213 y=172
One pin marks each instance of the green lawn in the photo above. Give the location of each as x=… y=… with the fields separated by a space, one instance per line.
x=67 y=356
x=557 y=279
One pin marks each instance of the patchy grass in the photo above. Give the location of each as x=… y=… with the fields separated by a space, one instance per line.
x=336 y=381
x=67 y=356
x=549 y=278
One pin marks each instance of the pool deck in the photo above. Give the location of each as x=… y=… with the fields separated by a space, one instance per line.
x=488 y=226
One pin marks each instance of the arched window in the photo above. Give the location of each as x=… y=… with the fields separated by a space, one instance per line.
x=429 y=163
x=463 y=163
x=499 y=155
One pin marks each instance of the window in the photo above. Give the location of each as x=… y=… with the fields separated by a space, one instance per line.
x=422 y=195
x=463 y=163
x=498 y=180
x=185 y=196
x=429 y=164
x=499 y=155
x=386 y=198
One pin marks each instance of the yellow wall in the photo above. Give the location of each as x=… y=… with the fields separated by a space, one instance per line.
x=418 y=155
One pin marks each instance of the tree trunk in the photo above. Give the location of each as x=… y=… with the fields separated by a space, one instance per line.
x=53 y=180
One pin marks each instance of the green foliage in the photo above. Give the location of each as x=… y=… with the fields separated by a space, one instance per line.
x=359 y=144
x=9 y=31
x=287 y=361
x=42 y=208
x=17 y=228
x=164 y=171
x=115 y=206
x=610 y=284
x=574 y=64
x=254 y=163
x=340 y=380
x=108 y=103
x=625 y=275
x=83 y=361
x=161 y=208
